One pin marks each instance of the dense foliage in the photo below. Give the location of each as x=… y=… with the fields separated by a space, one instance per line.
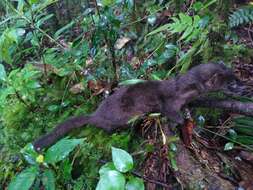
x=60 y=58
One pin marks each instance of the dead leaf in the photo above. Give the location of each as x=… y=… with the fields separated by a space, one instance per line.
x=135 y=62
x=77 y=88
x=187 y=131
x=121 y=42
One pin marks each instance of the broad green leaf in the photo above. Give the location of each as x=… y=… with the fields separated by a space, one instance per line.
x=108 y=2
x=197 y=6
x=131 y=81
x=33 y=84
x=229 y=146
x=105 y=168
x=135 y=184
x=61 y=150
x=29 y=153
x=2 y=73
x=187 y=32
x=185 y=18
x=122 y=160
x=48 y=180
x=112 y=180
x=24 y=180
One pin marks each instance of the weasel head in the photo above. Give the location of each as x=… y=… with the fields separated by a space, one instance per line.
x=215 y=77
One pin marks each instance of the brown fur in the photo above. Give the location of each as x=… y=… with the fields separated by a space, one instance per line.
x=166 y=97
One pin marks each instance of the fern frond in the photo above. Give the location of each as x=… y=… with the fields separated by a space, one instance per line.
x=241 y=16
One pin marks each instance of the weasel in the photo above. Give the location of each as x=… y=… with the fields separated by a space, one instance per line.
x=166 y=97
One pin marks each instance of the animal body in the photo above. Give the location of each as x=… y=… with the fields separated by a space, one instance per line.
x=166 y=97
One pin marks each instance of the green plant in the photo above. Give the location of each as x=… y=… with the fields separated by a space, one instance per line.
x=20 y=83
x=113 y=175
x=58 y=152
x=188 y=27
x=241 y=16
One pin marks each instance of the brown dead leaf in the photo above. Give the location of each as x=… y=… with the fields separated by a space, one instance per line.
x=135 y=62
x=77 y=88
x=95 y=85
x=187 y=131
x=121 y=42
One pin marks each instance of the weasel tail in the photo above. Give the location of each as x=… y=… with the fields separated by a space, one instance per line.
x=60 y=131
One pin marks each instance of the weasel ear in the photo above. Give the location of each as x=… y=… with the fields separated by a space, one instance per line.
x=215 y=81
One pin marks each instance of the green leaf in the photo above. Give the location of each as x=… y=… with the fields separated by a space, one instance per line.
x=2 y=73
x=173 y=160
x=24 y=180
x=108 y=2
x=245 y=139
x=43 y=20
x=33 y=1
x=232 y=134
x=105 y=168
x=29 y=153
x=159 y=29
x=229 y=146
x=66 y=168
x=122 y=160
x=131 y=81
x=61 y=150
x=53 y=108
x=63 y=29
x=187 y=32
x=244 y=121
x=112 y=180
x=135 y=184
x=48 y=180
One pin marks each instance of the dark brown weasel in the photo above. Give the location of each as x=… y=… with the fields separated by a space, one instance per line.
x=166 y=97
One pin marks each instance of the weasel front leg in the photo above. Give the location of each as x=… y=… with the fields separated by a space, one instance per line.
x=173 y=116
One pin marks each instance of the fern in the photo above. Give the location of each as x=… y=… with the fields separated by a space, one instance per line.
x=189 y=27
x=241 y=16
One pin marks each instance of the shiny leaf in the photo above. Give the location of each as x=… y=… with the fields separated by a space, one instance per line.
x=61 y=150
x=24 y=180
x=135 y=184
x=122 y=160
x=112 y=180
